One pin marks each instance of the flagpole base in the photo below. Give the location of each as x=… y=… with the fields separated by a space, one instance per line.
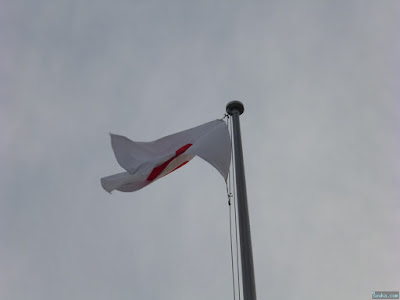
x=233 y=106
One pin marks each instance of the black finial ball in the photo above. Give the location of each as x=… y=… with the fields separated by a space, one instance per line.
x=232 y=106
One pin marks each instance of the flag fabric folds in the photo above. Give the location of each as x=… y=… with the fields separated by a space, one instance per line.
x=145 y=162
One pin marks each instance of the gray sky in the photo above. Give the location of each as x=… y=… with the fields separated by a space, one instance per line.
x=319 y=82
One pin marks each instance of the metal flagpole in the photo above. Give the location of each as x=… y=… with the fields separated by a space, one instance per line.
x=236 y=108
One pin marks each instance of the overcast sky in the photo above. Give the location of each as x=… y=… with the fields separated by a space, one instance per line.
x=320 y=84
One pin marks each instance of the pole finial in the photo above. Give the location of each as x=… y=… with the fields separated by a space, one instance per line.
x=234 y=105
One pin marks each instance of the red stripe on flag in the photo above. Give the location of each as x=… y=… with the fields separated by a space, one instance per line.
x=181 y=165
x=158 y=170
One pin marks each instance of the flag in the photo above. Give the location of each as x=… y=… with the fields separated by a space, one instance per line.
x=146 y=162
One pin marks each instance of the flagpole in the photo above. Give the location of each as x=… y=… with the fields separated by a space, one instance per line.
x=236 y=108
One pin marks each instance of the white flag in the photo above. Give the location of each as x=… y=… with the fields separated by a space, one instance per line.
x=145 y=162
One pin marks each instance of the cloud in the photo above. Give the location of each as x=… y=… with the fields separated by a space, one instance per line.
x=319 y=137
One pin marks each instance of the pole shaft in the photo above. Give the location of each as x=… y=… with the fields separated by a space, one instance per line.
x=248 y=279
